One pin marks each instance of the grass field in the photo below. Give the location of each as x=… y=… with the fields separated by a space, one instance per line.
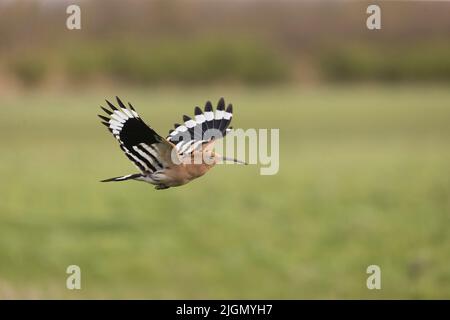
x=364 y=179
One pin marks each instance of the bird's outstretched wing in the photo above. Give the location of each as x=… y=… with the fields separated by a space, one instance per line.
x=142 y=145
x=206 y=126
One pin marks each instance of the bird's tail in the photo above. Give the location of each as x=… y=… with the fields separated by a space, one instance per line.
x=123 y=178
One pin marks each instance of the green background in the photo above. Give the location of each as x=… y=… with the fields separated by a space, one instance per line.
x=364 y=179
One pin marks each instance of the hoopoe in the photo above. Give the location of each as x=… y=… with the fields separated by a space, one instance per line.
x=184 y=155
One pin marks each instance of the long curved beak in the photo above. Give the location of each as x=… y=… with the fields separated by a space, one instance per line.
x=233 y=160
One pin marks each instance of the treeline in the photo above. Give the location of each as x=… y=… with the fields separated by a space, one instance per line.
x=429 y=61
x=228 y=61
x=166 y=62
x=203 y=42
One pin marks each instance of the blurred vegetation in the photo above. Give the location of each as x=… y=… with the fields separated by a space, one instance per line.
x=30 y=70
x=206 y=61
x=424 y=62
x=364 y=171
x=364 y=179
x=179 y=62
x=187 y=62
x=202 y=42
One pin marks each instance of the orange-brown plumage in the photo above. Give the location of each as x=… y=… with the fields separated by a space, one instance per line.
x=186 y=154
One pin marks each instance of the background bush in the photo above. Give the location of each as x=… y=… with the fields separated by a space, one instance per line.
x=182 y=62
x=425 y=62
x=29 y=70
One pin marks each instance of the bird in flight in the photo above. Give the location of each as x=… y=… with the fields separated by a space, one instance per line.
x=184 y=155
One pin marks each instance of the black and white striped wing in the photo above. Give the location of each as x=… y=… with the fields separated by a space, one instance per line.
x=205 y=126
x=142 y=145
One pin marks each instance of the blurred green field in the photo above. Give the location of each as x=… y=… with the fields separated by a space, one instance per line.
x=364 y=179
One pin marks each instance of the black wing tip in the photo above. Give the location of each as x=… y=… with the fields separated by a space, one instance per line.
x=221 y=104
x=120 y=103
x=198 y=111
x=106 y=110
x=186 y=118
x=111 y=105
x=230 y=108
x=131 y=107
x=103 y=117
x=176 y=125
x=208 y=106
